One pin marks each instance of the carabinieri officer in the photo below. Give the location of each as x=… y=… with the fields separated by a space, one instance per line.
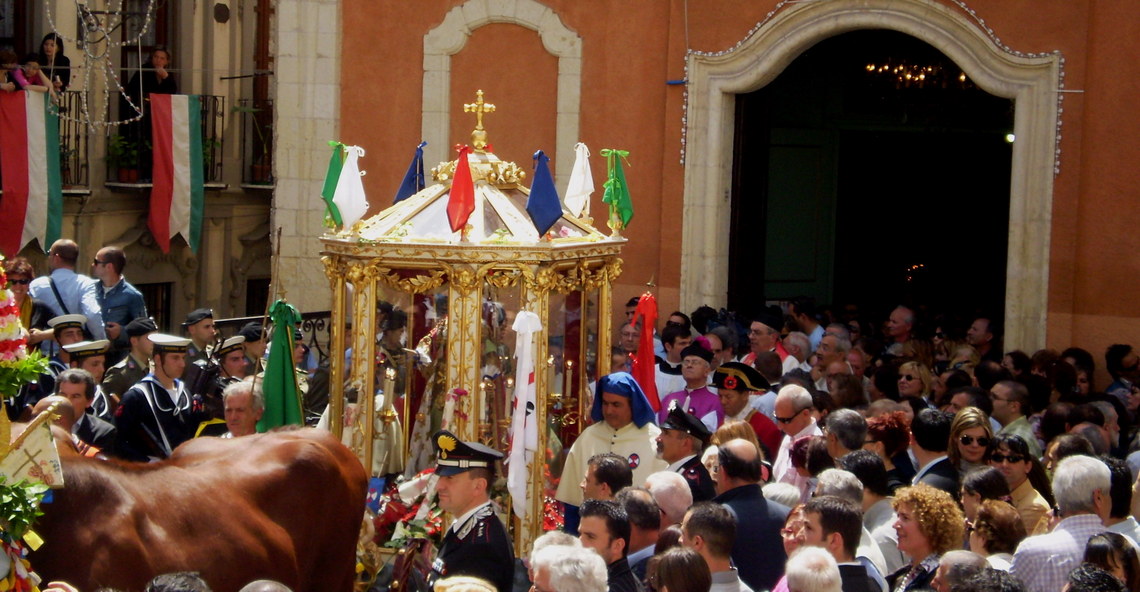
x=476 y=544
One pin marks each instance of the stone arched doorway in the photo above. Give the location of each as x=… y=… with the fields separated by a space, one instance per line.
x=715 y=79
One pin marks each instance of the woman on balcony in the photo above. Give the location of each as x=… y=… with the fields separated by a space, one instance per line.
x=53 y=63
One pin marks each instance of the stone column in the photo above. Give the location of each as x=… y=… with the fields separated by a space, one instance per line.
x=306 y=44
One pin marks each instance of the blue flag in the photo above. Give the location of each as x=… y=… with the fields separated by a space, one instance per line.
x=543 y=205
x=414 y=178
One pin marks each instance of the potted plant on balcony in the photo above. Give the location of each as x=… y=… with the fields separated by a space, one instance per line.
x=123 y=157
x=261 y=169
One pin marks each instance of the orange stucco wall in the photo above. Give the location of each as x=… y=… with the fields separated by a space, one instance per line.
x=630 y=50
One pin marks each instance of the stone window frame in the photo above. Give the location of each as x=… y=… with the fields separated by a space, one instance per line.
x=1032 y=82
x=450 y=37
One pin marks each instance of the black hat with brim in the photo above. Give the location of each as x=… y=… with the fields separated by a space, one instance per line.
x=453 y=456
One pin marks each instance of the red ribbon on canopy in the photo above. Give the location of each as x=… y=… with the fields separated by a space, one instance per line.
x=644 y=363
x=461 y=200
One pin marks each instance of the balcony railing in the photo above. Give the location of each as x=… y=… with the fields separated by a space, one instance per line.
x=256 y=141
x=129 y=152
x=74 y=142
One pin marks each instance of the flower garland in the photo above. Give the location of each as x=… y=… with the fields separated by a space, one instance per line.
x=17 y=366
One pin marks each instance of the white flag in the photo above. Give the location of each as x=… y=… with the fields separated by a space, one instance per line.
x=524 y=431
x=349 y=195
x=581 y=182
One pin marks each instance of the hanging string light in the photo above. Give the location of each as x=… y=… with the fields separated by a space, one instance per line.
x=97 y=44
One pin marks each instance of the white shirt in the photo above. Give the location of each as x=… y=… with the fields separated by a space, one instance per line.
x=765 y=404
x=782 y=469
x=1129 y=528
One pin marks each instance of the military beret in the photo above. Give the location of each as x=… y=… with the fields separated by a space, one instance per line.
x=197 y=316
x=140 y=326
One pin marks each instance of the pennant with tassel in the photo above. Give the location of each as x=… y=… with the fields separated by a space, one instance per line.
x=461 y=199
x=543 y=205
x=617 y=191
x=644 y=363
x=581 y=184
x=414 y=178
x=332 y=175
x=349 y=195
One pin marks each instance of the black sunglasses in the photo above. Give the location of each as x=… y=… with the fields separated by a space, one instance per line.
x=907 y=377
x=969 y=440
x=792 y=418
x=19 y=282
x=1000 y=458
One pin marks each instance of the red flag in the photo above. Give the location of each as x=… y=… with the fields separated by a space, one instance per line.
x=644 y=363
x=461 y=200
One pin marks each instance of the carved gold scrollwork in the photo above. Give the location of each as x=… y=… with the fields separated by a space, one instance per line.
x=464 y=279
x=416 y=284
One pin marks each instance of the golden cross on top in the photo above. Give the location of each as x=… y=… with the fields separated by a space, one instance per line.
x=479 y=107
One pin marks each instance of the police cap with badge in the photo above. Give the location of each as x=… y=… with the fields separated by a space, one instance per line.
x=734 y=376
x=681 y=420
x=87 y=349
x=454 y=456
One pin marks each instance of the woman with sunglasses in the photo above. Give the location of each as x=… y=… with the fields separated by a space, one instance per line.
x=1028 y=485
x=970 y=435
x=34 y=315
x=915 y=380
x=995 y=533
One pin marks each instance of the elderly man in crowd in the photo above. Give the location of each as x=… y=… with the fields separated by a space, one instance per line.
x=244 y=405
x=1081 y=485
x=794 y=418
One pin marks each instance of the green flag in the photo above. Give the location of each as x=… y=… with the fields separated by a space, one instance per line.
x=617 y=192
x=336 y=162
x=282 y=397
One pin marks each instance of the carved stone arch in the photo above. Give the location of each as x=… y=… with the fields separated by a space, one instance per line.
x=1031 y=81
x=451 y=36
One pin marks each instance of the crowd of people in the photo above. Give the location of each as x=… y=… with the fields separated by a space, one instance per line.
x=123 y=388
x=813 y=453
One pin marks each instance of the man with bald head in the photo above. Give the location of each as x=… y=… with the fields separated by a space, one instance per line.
x=900 y=328
x=793 y=417
x=758 y=521
x=67 y=292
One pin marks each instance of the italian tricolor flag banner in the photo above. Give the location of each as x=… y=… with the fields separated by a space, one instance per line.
x=32 y=204
x=178 y=193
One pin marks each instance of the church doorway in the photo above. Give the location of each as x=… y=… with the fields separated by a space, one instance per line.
x=871 y=171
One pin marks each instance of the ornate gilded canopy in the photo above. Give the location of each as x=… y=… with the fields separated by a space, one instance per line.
x=459 y=292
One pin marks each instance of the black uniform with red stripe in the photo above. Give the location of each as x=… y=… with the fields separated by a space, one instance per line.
x=480 y=548
x=699 y=480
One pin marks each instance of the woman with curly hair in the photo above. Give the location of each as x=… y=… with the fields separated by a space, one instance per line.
x=1113 y=553
x=888 y=435
x=970 y=435
x=929 y=524
x=996 y=532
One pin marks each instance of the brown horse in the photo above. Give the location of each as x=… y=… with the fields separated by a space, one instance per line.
x=284 y=506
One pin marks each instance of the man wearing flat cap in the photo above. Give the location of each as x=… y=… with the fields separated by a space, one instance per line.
x=623 y=424
x=736 y=383
x=132 y=368
x=92 y=357
x=155 y=415
x=683 y=438
x=199 y=325
x=476 y=544
x=695 y=398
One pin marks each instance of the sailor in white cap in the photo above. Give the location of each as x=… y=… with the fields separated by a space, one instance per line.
x=92 y=357
x=66 y=329
x=157 y=414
